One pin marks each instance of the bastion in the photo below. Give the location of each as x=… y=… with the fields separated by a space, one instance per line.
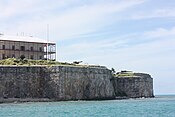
x=56 y=82
x=70 y=83
x=133 y=85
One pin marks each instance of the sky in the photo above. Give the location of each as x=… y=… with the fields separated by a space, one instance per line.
x=136 y=35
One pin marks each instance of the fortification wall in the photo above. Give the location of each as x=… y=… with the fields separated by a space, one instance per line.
x=20 y=82
x=134 y=87
x=57 y=82
x=70 y=83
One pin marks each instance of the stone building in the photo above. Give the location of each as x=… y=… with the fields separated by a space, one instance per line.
x=30 y=47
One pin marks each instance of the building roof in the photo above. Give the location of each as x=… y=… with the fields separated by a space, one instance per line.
x=23 y=39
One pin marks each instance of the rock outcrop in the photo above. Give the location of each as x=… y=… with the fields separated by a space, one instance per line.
x=133 y=85
x=71 y=83
x=56 y=82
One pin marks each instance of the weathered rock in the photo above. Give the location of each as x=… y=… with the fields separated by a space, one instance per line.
x=71 y=83
x=57 y=82
x=135 y=86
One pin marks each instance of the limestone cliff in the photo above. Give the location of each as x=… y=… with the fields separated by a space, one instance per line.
x=71 y=83
x=133 y=85
x=56 y=82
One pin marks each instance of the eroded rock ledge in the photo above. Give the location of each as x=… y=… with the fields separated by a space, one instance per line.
x=70 y=83
x=133 y=85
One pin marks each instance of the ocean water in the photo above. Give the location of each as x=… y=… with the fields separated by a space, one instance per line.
x=161 y=106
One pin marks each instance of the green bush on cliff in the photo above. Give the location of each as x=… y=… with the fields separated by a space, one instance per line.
x=14 y=61
x=30 y=62
x=11 y=61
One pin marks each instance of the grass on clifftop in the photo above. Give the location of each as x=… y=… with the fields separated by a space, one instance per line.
x=130 y=74
x=14 y=61
x=29 y=62
x=125 y=74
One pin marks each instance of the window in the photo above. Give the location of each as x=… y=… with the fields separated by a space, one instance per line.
x=31 y=56
x=22 y=48
x=3 y=56
x=40 y=57
x=40 y=49
x=3 y=47
x=13 y=47
x=31 y=48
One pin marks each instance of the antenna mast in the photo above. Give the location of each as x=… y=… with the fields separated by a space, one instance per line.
x=47 y=41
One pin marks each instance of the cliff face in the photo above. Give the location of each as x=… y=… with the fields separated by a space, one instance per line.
x=57 y=82
x=20 y=82
x=71 y=83
x=134 y=86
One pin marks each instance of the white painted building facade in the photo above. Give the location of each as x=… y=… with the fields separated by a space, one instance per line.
x=30 y=47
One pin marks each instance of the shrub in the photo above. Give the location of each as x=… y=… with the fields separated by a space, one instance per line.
x=22 y=57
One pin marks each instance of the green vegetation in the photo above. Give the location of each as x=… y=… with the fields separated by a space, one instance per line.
x=29 y=62
x=14 y=61
x=126 y=74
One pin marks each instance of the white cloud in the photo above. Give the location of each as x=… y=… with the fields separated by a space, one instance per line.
x=155 y=13
x=154 y=57
x=12 y=9
x=160 y=33
x=73 y=21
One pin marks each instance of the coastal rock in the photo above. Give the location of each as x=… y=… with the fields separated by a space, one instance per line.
x=71 y=83
x=56 y=82
x=133 y=85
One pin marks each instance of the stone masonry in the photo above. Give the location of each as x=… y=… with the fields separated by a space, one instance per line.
x=57 y=82
x=70 y=83
x=140 y=85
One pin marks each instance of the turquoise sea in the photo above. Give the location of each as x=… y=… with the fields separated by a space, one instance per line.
x=161 y=106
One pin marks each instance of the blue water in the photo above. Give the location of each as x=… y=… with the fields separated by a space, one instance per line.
x=162 y=106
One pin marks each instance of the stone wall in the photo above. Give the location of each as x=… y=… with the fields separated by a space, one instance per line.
x=57 y=82
x=20 y=82
x=137 y=86
x=70 y=83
